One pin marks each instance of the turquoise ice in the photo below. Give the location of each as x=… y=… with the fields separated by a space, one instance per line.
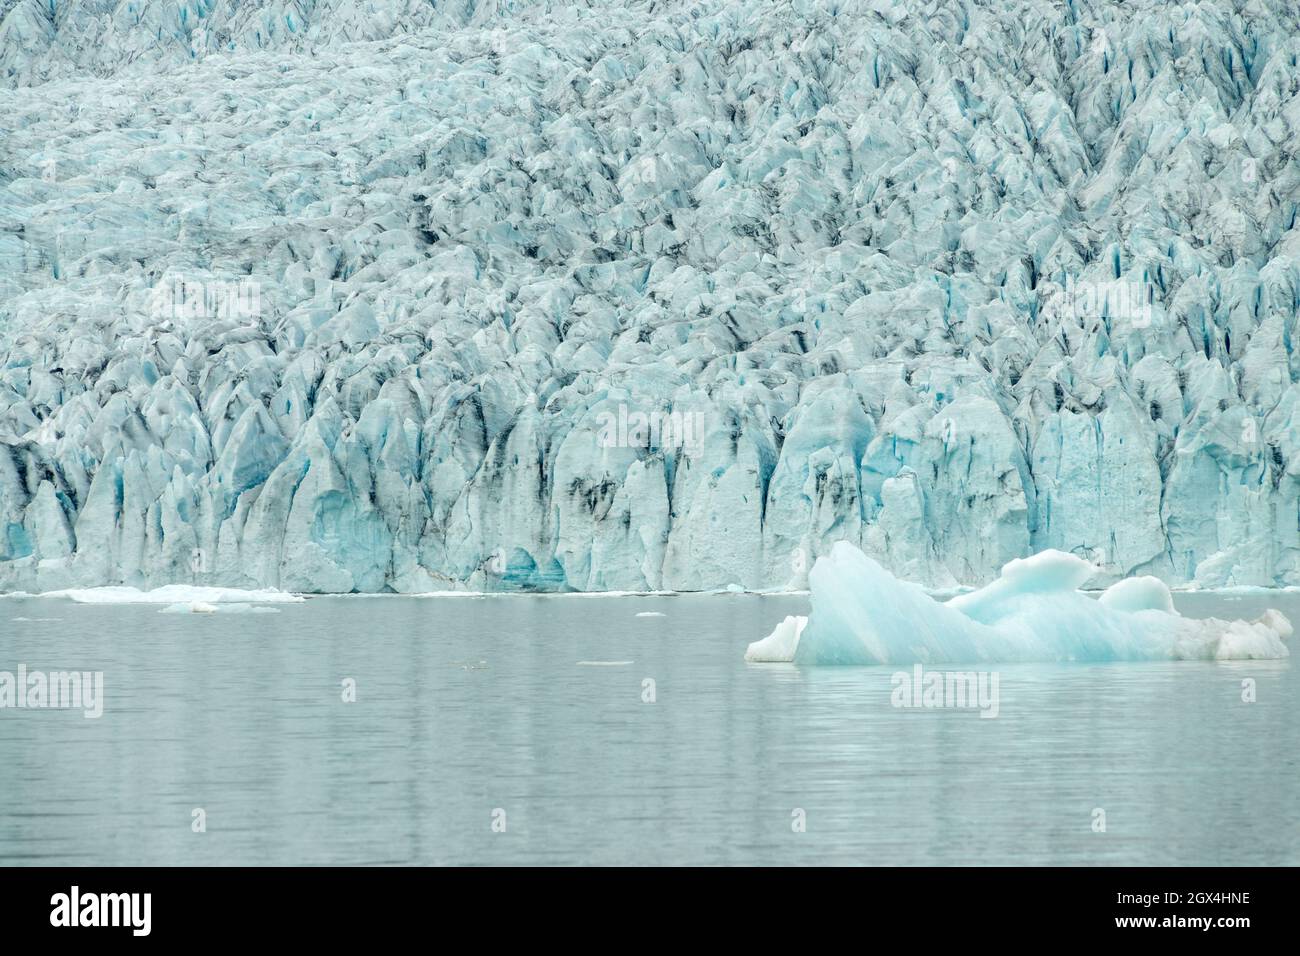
x=1034 y=612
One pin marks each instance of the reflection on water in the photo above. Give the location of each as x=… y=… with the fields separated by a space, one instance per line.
x=670 y=750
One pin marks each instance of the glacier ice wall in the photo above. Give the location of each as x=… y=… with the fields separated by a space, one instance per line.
x=335 y=296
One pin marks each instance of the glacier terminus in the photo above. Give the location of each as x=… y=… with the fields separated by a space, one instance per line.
x=633 y=295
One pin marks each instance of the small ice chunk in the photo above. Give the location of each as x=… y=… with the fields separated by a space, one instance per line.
x=189 y=607
x=779 y=646
x=203 y=607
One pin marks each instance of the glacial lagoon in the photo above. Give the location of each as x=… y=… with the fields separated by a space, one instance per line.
x=617 y=730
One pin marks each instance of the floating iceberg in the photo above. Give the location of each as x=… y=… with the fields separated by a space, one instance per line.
x=203 y=607
x=862 y=614
x=190 y=607
x=177 y=595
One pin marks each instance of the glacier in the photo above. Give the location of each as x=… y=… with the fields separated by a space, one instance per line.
x=1033 y=612
x=622 y=295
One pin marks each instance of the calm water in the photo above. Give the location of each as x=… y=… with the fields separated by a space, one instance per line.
x=469 y=705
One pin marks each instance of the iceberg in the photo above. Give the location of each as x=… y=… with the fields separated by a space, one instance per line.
x=176 y=594
x=202 y=607
x=191 y=607
x=1034 y=612
x=780 y=645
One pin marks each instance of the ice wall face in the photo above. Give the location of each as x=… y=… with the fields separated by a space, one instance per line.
x=647 y=295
